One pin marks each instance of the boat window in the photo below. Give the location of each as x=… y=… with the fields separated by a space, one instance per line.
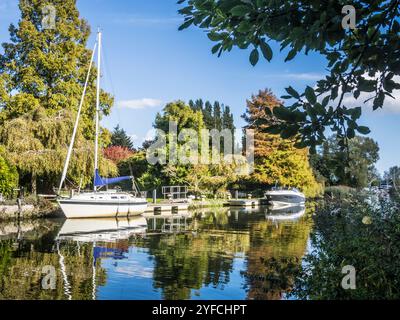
x=114 y=197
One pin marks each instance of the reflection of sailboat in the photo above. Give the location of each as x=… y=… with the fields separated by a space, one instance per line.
x=286 y=213
x=107 y=230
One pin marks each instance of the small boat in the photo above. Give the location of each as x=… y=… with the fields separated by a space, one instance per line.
x=97 y=203
x=284 y=197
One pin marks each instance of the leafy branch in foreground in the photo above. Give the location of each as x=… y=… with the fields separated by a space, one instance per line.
x=365 y=60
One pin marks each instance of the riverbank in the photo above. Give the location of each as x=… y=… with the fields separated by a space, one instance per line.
x=29 y=210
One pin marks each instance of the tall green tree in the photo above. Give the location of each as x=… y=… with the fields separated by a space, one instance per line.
x=120 y=138
x=364 y=60
x=217 y=116
x=47 y=67
x=42 y=74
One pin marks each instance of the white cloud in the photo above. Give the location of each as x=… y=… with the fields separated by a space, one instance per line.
x=147 y=21
x=390 y=105
x=136 y=104
x=303 y=76
x=134 y=137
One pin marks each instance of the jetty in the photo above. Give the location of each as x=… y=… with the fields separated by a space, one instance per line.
x=247 y=202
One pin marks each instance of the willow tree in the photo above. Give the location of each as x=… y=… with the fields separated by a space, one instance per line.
x=8 y=175
x=36 y=144
x=277 y=160
x=44 y=68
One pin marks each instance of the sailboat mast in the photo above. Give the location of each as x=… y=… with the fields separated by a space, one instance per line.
x=71 y=145
x=96 y=142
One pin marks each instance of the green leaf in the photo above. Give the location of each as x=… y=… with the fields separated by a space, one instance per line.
x=213 y=36
x=186 y=24
x=275 y=129
x=350 y=133
x=282 y=113
x=378 y=101
x=216 y=48
x=289 y=132
x=240 y=10
x=254 y=56
x=266 y=50
x=310 y=95
x=319 y=109
x=292 y=53
x=325 y=101
x=292 y=92
x=244 y=27
x=363 y=130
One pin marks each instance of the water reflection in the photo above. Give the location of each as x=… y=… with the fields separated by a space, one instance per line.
x=204 y=254
x=292 y=212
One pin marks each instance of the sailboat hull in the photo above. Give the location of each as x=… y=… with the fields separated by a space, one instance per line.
x=78 y=208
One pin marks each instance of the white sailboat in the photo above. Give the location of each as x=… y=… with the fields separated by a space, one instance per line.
x=98 y=204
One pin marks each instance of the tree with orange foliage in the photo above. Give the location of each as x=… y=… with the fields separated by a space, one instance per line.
x=276 y=159
x=117 y=153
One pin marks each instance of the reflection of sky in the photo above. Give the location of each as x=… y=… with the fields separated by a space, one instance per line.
x=233 y=290
x=130 y=278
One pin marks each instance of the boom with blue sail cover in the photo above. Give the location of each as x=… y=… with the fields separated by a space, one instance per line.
x=100 y=181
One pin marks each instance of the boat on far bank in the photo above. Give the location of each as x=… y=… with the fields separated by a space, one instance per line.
x=285 y=197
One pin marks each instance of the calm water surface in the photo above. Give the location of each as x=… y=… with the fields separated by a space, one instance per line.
x=210 y=254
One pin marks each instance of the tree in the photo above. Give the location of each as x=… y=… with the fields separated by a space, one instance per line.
x=42 y=75
x=47 y=67
x=276 y=159
x=217 y=116
x=117 y=153
x=201 y=178
x=8 y=175
x=393 y=175
x=208 y=115
x=121 y=139
x=355 y=168
x=37 y=143
x=227 y=119
x=363 y=61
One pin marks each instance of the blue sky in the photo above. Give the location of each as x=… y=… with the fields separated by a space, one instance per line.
x=148 y=63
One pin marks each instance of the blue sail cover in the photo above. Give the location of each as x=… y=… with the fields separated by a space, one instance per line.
x=99 y=181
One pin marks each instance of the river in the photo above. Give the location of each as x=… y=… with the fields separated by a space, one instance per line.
x=217 y=253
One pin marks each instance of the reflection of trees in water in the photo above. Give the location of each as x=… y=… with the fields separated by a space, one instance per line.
x=201 y=256
x=274 y=256
x=183 y=262
x=22 y=262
